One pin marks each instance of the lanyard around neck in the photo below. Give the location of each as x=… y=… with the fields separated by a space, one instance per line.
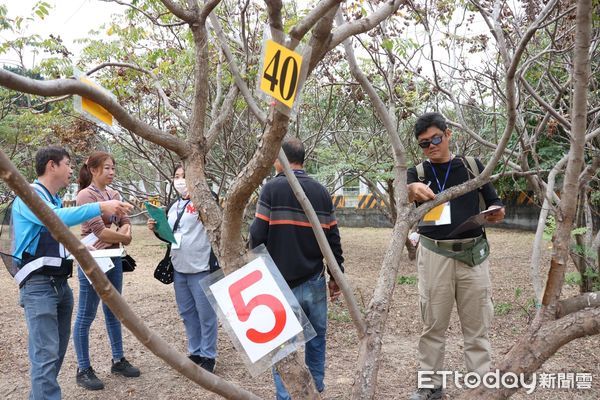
x=50 y=198
x=442 y=187
x=180 y=214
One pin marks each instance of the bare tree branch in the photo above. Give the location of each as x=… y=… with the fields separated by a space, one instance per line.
x=303 y=26
x=568 y=202
x=334 y=268
x=545 y=105
x=184 y=120
x=60 y=87
x=275 y=19
x=321 y=38
x=240 y=83
x=208 y=7
x=577 y=303
x=344 y=31
x=179 y=11
x=224 y=115
x=244 y=185
x=531 y=352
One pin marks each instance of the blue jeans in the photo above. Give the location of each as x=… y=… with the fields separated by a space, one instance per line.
x=48 y=304
x=86 y=313
x=198 y=316
x=312 y=296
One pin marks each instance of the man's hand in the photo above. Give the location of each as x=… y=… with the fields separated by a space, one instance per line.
x=115 y=207
x=420 y=192
x=496 y=216
x=334 y=290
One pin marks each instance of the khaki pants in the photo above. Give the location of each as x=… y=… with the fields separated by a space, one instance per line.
x=443 y=280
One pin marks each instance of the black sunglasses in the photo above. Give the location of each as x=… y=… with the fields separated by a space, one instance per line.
x=434 y=140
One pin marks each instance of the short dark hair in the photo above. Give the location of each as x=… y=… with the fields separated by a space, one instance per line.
x=49 y=153
x=428 y=120
x=294 y=150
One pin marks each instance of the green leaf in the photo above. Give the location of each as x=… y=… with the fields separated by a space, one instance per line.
x=518 y=292
x=550 y=228
x=387 y=44
x=573 y=278
x=407 y=280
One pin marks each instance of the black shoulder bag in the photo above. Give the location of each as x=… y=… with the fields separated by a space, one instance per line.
x=164 y=271
x=128 y=263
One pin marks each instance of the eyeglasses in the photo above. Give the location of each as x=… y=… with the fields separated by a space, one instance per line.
x=434 y=140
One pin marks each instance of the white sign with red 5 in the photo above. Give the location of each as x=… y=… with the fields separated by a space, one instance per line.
x=256 y=309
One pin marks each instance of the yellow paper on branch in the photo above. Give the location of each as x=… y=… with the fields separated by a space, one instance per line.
x=90 y=109
x=434 y=214
x=439 y=215
x=94 y=108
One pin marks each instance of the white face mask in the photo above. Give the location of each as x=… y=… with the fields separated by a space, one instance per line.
x=181 y=187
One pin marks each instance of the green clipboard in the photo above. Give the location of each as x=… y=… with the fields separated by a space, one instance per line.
x=162 y=227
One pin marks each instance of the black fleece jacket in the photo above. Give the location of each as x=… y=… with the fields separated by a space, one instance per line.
x=461 y=207
x=280 y=224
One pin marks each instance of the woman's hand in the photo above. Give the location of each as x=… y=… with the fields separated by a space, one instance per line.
x=151 y=224
x=125 y=230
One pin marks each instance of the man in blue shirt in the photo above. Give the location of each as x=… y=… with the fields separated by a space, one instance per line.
x=43 y=269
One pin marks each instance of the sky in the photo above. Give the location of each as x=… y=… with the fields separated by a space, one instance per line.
x=71 y=19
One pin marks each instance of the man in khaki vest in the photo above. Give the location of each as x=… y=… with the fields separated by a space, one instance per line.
x=452 y=265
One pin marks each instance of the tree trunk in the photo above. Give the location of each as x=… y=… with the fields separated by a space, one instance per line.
x=297 y=378
x=547 y=334
x=536 y=254
x=369 y=353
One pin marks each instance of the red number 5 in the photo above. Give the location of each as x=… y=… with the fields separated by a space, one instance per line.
x=243 y=310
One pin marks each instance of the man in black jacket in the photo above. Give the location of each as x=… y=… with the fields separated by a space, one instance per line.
x=452 y=266
x=281 y=225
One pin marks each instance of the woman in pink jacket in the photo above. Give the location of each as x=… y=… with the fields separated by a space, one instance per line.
x=94 y=177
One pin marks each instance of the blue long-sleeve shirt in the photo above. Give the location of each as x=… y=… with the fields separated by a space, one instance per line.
x=26 y=226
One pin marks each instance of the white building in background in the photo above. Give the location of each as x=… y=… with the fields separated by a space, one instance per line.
x=70 y=192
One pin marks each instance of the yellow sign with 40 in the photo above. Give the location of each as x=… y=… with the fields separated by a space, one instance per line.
x=281 y=72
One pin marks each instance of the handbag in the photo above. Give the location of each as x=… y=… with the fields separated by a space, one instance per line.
x=164 y=271
x=128 y=263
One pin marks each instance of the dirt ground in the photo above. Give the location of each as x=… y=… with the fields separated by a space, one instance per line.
x=364 y=250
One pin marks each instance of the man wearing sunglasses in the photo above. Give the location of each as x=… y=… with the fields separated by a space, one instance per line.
x=452 y=267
